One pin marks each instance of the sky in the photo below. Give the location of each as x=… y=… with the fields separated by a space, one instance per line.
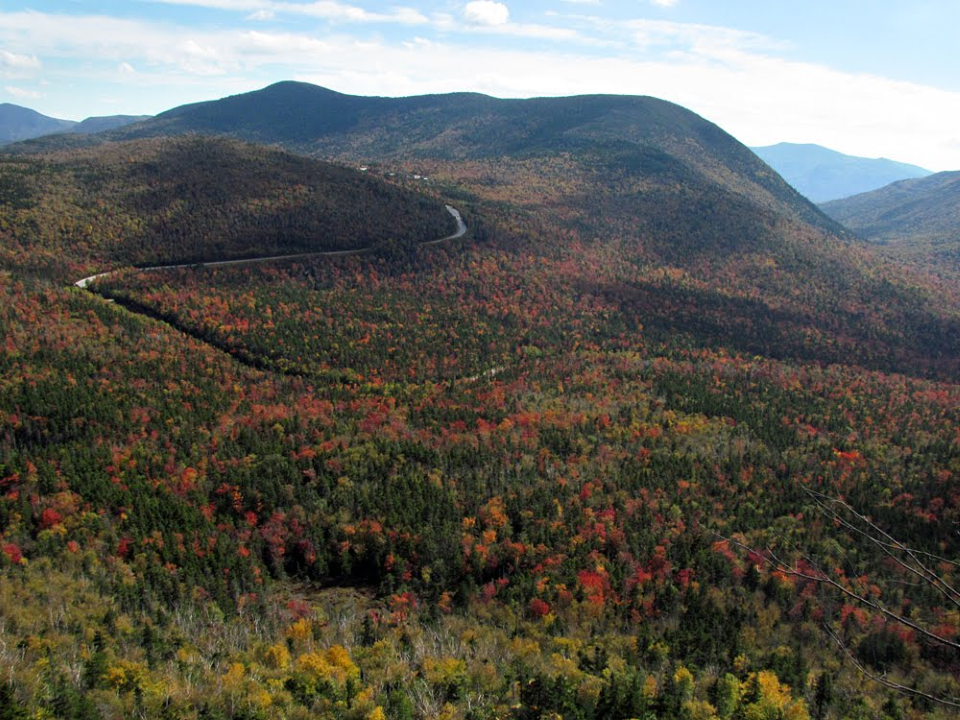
x=875 y=78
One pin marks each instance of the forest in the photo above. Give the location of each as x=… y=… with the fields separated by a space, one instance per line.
x=635 y=447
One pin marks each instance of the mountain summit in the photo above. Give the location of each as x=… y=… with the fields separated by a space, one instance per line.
x=639 y=131
x=822 y=174
x=20 y=123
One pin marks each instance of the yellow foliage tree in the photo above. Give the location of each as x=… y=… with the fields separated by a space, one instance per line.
x=766 y=698
x=277 y=657
x=332 y=665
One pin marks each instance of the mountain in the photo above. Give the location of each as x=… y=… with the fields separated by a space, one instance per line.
x=653 y=182
x=20 y=123
x=175 y=200
x=748 y=260
x=927 y=207
x=107 y=122
x=642 y=132
x=822 y=174
x=625 y=450
x=665 y=187
x=917 y=218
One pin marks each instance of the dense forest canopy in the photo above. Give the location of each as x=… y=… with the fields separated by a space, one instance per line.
x=581 y=463
x=194 y=199
x=912 y=221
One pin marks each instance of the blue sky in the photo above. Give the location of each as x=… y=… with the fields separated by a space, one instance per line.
x=877 y=78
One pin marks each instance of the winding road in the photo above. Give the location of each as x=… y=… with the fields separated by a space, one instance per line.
x=461 y=231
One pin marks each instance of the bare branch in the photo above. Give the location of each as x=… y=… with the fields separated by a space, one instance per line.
x=893 y=542
x=823 y=578
x=949 y=702
x=928 y=576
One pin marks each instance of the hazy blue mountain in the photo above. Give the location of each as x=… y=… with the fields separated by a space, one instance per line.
x=108 y=122
x=822 y=174
x=20 y=123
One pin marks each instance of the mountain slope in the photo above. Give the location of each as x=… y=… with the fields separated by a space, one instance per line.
x=190 y=199
x=106 y=122
x=20 y=123
x=468 y=126
x=917 y=218
x=822 y=174
x=920 y=208
x=749 y=262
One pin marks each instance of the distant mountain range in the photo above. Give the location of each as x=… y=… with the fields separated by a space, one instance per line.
x=20 y=123
x=918 y=218
x=822 y=174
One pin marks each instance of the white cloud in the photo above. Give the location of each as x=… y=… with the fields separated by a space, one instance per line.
x=486 y=12
x=17 y=65
x=99 y=38
x=279 y=46
x=342 y=12
x=321 y=9
x=236 y=5
x=534 y=32
x=126 y=68
x=21 y=93
x=688 y=37
x=665 y=3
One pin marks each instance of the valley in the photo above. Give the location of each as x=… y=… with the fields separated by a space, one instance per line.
x=562 y=432
x=915 y=222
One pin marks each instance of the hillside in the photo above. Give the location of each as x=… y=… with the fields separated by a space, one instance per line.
x=822 y=174
x=20 y=123
x=468 y=126
x=624 y=451
x=192 y=199
x=916 y=219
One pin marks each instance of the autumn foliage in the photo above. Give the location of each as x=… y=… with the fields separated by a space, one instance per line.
x=510 y=478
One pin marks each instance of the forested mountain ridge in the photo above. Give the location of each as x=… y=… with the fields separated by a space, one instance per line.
x=158 y=201
x=194 y=199
x=470 y=126
x=681 y=191
x=823 y=175
x=915 y=219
